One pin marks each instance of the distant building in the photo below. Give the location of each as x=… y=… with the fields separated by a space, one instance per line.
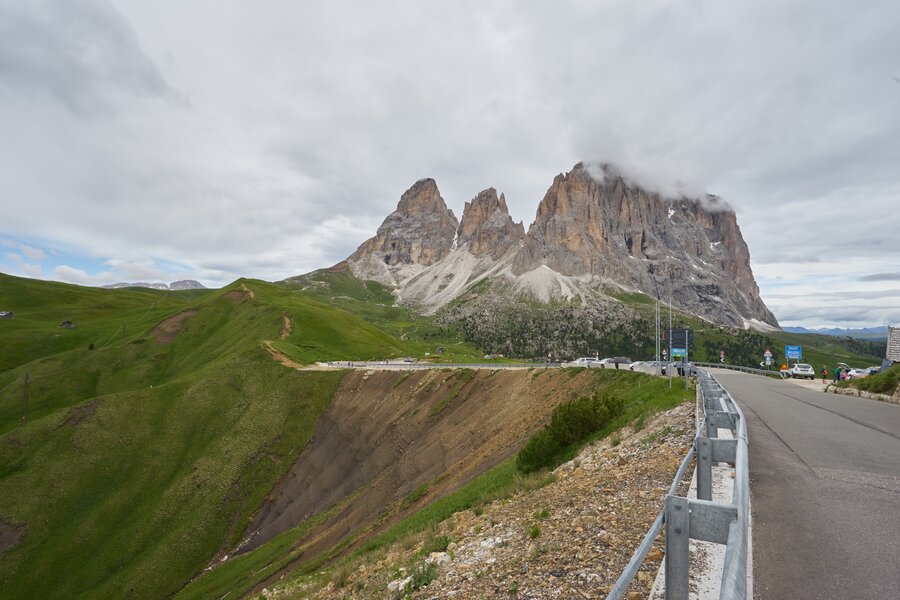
x=6 y=314
x=67 y=324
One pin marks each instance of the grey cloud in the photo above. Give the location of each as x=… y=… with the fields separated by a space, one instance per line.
x=301 y=135
x=881 y=277
x=82 y=53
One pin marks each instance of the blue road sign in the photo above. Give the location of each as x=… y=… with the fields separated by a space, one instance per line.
x=793 y=352
x=679 y=352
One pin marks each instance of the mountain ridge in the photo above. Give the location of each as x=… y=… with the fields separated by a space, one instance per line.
x=590 y=234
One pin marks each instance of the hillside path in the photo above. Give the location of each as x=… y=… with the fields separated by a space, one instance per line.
x=825 y=487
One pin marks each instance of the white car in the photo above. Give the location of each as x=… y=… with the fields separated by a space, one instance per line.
x=802 y=370
x=857 y=373
x=584 y=361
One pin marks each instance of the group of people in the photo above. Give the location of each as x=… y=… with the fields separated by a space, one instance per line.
x=839 y=374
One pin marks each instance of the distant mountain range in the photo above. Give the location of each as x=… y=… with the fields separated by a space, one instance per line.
x=185 y=284
x=866 y=333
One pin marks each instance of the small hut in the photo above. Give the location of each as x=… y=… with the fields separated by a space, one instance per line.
x=67 y=324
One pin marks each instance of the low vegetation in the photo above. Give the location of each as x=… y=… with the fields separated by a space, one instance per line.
x=570 y=424
x=885 y=382
x=620 y=397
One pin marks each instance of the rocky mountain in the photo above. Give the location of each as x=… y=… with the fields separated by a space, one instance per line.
x=486 y=228
x=184 y=284
x=595 y=232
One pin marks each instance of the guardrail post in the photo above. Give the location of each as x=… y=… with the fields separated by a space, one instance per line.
x=712 y=424
x=678 y=522
x=704 y=468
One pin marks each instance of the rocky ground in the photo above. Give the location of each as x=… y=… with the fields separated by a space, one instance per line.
x=568 y=539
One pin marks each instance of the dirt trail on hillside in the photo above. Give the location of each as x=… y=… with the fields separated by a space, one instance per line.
x=387 y=433
x=287 y=326
x=166 y=331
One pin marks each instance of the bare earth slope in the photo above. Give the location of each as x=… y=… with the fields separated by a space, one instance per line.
x=569 y=539
x=386 y=435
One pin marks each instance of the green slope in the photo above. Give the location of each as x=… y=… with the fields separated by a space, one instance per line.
x=133 y=463
x=421 y=336
x=102 y=317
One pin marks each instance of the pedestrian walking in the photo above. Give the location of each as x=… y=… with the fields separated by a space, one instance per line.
x=837 y=374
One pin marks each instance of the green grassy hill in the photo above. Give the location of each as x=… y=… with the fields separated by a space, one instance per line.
x=141 y=443
x=135 y=446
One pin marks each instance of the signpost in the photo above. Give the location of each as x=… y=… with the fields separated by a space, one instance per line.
x=682 y=338
x=793 y=352
x=767 y=355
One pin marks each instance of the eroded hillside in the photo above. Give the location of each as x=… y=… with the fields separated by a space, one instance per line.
x=391 y=442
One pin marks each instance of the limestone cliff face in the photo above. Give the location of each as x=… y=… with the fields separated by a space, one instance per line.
x=592 y=230
x=689 y=250
x=486 y=228
x=419 y=233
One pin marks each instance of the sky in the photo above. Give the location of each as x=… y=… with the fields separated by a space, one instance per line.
x=156 y=141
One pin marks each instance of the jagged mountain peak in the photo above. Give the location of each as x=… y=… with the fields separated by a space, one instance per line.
x=486 y=227
x=420 y=232
x=594 y=228
x=423 y=197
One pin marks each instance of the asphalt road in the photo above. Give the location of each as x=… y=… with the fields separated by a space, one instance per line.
x=825 y=491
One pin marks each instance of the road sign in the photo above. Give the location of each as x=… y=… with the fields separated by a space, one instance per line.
x=679 y=352
x=683 y=338
x=767 y=353
x=793 y=352
x=893 y=344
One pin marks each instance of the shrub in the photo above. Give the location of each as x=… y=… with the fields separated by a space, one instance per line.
x=885 y=382
x=422 y=576
x=570 y=424
x=436 y=544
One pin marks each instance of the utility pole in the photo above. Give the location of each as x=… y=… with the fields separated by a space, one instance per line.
x=670 y=362
x=25 y=397
x=656 y=356
x=687 y=347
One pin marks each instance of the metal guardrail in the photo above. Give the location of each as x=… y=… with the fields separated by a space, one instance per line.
x=359 y=364
x=702 y=519
x=751 y=370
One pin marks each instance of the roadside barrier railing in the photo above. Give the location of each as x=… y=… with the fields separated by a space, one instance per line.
x=751 y=370
x=702 y=519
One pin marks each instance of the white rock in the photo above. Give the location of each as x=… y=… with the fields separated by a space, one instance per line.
x=399 y=584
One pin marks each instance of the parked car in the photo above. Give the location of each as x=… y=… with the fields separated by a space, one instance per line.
x=802 y=370
x=857 y=373
x=585 y=361
x=637 y=363
x=660 y=364
x=681 y=366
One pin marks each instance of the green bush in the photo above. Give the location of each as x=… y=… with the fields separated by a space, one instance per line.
x=882 y=383
x=436 y=544
x=570 y=424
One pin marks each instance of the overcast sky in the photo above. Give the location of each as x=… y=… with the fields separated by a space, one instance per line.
x=154 y=141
